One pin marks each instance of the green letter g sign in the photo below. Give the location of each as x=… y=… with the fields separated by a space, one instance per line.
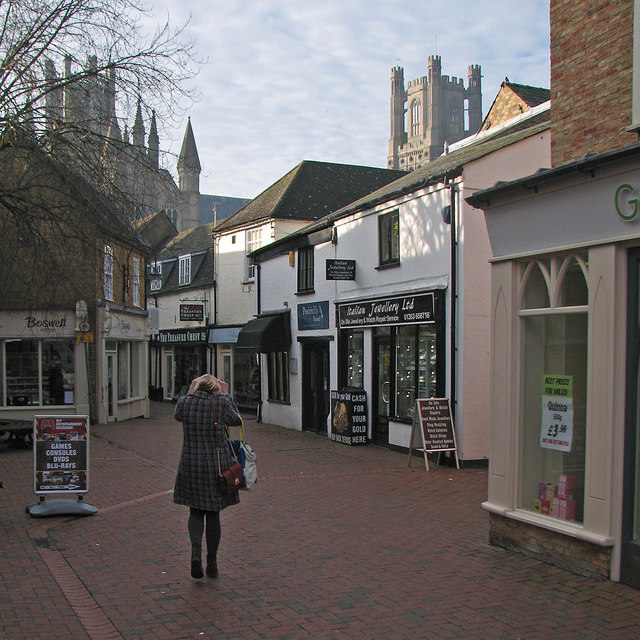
x=631 y=204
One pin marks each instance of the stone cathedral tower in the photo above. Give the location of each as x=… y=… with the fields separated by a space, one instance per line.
x=132 y=162
x=430 y=113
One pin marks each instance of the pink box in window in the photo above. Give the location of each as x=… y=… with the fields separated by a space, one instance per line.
x=564 y=508
x=565 y=486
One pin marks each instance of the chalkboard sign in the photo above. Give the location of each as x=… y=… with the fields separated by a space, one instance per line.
x=434 y=432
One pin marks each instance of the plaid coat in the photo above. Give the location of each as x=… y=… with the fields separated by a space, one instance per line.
x=197 y=479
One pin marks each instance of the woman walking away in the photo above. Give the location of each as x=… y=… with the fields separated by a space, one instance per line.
x=197 y=479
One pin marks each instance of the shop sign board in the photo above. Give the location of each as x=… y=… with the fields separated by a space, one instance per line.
x=409 y=309
x=432 y=429
x=349 y=417
x=60 y=454
x=191 y=312
x=181 y=336
x=340 y=269
x=556 y=431
x=313 y=315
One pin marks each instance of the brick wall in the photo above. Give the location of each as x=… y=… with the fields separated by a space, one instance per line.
x=507 y=105
x=591 y=74
x=563 y=551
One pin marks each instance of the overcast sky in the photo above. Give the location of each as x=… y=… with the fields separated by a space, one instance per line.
x=287 y=81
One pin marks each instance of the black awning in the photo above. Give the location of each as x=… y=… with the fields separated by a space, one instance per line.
x=267 y=332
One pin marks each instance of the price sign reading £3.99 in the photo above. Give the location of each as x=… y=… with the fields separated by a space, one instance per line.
x=556 y=431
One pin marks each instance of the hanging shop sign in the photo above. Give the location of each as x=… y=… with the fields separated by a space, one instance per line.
x=61 y=454
x=349 y=417
x=396 y=310
x=313 y=315
x=191 y=312
x=432 y=428
x=340 y=269
x=556 y=431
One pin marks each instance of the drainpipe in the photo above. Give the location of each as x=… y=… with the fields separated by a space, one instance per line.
x=454 y=296
x=258 y=309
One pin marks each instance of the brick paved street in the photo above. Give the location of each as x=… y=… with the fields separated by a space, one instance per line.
x=334 y=542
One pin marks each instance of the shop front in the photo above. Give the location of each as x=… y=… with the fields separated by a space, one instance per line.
x=41 y=364
x=180 y=355
x=393 y=348
x=564 y=478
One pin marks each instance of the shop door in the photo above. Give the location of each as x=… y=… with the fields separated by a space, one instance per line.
x=381 y=396
x=630 y=556
x=111 y=387
x=315 y=386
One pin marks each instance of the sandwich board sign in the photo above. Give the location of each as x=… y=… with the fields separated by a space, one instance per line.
x=432 y=428
x=60 y=464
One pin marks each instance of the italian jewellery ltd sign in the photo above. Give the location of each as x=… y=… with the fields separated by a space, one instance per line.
x=396 y=310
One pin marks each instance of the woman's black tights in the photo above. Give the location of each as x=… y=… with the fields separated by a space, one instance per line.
x=196 y=529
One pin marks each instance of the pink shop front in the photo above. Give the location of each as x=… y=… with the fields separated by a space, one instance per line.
x=564 y=473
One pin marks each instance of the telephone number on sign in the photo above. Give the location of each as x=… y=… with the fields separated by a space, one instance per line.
x=422 y=315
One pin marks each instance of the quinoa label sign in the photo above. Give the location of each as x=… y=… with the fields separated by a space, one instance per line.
x=556 y=431
x=61 y=454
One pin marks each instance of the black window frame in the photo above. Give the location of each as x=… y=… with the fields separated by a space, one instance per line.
x=306 y=257
x=388 y=241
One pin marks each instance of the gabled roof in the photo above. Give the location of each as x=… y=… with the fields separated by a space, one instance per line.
x=189 y=241
x=311 y=190
x=196 y=243
x=156 y=229
x=225 y=206
x=511 y=100
x=448 y=166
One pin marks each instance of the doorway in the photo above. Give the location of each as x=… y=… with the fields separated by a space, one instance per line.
x=381 y=396
x=315 y=386
x=111 y=388
x=630 y=551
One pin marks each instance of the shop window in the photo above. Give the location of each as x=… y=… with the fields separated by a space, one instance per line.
x=108 y=273
x=355 y=359
x=554 y=387
x=38 y=372
x=128 y=383
x=415 y=357
x=184 y=272
x=389 y=239
x=58 y=379
x=278 y=372
x=134 y=369
x=305 y=270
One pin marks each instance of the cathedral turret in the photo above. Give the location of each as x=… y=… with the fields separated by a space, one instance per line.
x=138 y=128
x=189 y=180
x=474 y=98
x=398 y=99
x=154 y=142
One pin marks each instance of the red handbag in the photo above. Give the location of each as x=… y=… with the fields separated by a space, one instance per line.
x=231 y=479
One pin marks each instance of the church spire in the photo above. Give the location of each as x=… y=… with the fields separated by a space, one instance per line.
x=138 y=128
x=154 y=142
x=188 y=158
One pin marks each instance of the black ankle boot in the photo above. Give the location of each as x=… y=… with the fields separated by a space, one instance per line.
x=212 y=567
x=196 y=562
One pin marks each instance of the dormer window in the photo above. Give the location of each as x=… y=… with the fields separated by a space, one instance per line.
x=184 y=273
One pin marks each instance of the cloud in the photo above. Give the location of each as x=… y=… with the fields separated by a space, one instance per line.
x=287 y=81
